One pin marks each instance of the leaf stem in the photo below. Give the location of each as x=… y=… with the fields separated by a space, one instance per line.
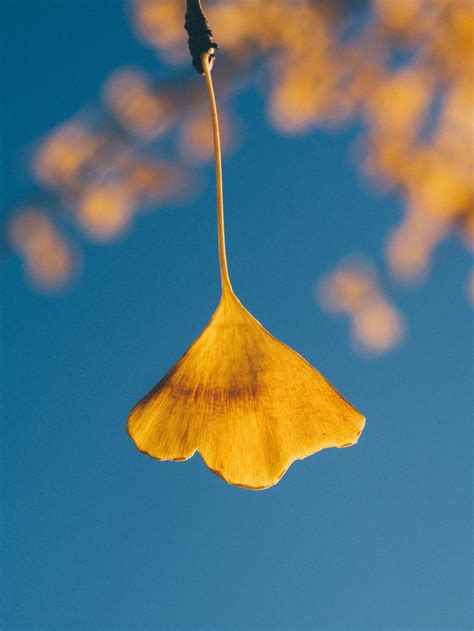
x=225 y=280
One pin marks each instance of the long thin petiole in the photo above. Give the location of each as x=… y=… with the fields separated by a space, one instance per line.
x=225 y=280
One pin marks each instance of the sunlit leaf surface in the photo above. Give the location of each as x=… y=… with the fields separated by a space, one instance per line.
x=246 y=402
x=249 y=404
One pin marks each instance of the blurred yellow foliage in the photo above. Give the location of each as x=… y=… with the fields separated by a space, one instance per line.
x=151 y=180
x=402 y=68
x=63 y=153
x=48 y=258
x=161 y=23
x=376 y=325
x=130 y=98
x=318 y=77
x=105 y=210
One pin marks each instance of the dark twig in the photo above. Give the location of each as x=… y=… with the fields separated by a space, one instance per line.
x=199 y=34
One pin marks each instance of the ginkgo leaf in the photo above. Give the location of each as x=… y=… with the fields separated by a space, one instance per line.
x=245 y=401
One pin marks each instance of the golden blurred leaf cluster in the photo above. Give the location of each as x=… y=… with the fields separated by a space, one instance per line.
x=141 y=110
x=47 y=255
x=99 y=180
x=402 y=70
x=352 y=289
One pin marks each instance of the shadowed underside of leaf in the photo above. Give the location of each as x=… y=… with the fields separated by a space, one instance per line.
x=246 y=402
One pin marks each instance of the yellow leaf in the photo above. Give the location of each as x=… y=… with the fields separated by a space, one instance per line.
x=246 y=402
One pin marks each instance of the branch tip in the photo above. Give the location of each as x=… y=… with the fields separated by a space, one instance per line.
x=199 y=35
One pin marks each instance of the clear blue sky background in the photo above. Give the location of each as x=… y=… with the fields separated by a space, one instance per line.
x=96 y=535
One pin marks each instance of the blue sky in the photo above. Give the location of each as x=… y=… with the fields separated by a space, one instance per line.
x=96 y=535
